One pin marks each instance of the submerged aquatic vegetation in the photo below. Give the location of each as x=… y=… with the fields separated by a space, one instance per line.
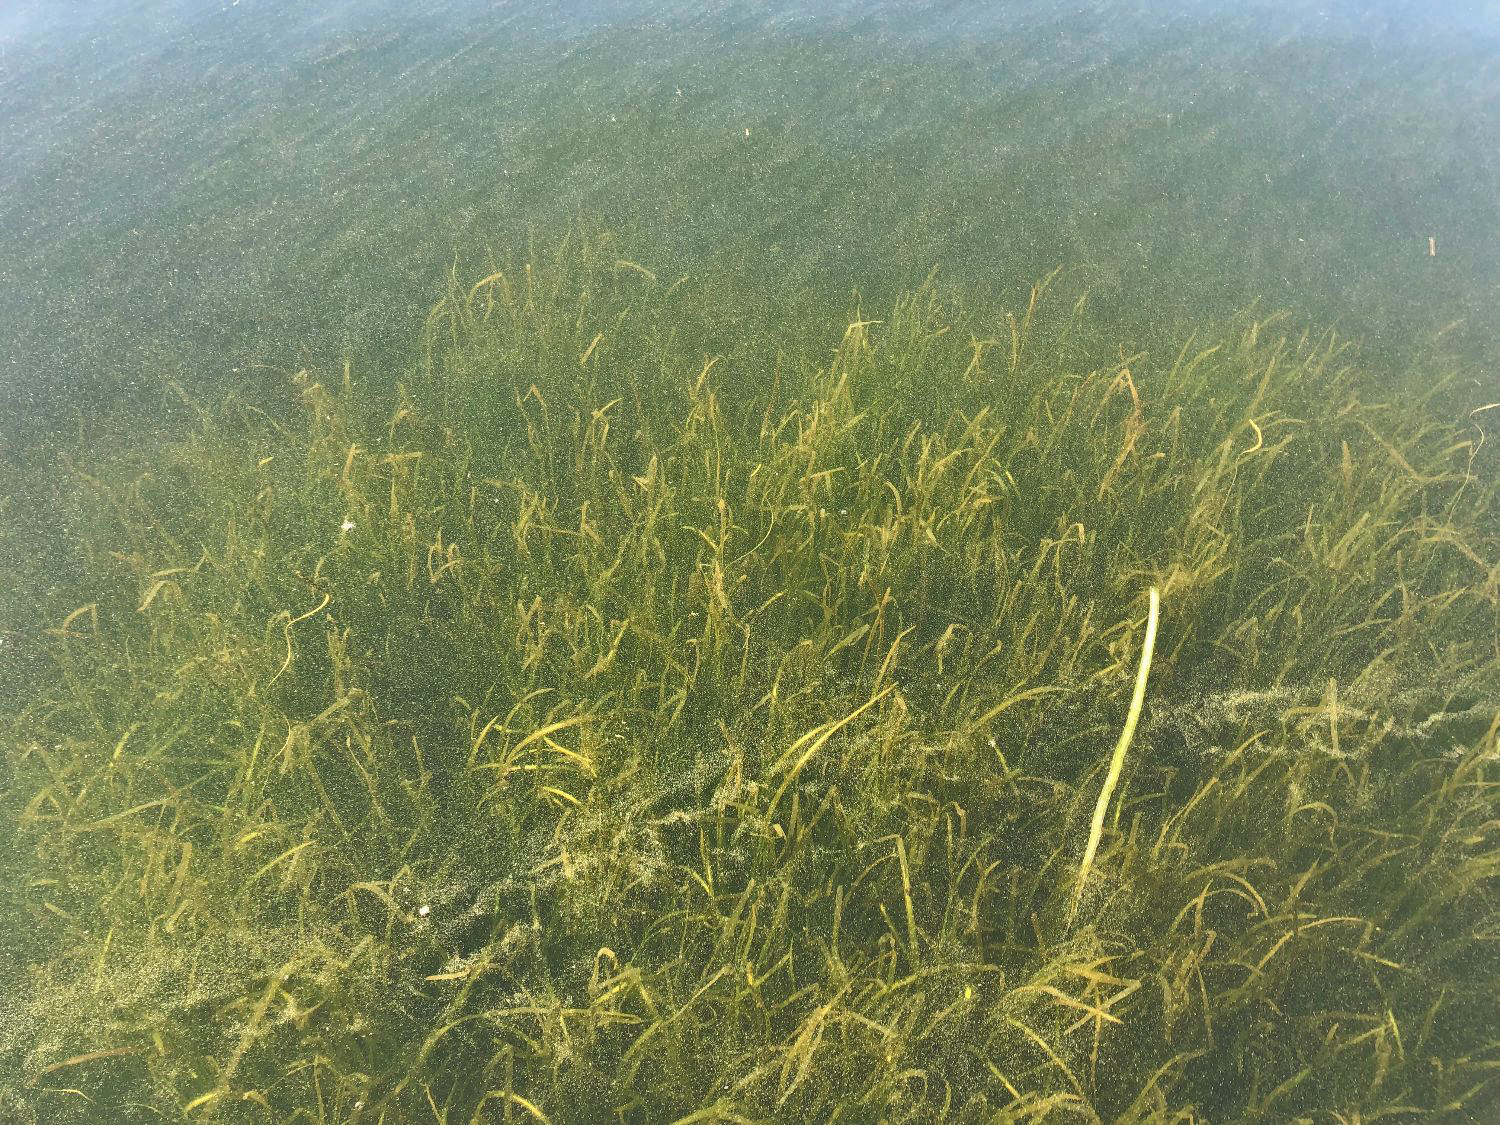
x=617 y=721
x=1117 y=759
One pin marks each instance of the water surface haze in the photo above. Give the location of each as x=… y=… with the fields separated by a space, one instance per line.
x=191 y=188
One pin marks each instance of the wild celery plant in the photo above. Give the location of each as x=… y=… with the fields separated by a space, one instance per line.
x=601 y=728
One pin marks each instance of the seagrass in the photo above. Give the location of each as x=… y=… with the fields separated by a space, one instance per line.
x=595 y=723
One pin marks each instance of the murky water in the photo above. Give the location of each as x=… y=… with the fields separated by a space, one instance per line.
x=659 y=562
x=197 y=187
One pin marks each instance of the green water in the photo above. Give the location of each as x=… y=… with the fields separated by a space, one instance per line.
x=589 y=566
x=200 y=187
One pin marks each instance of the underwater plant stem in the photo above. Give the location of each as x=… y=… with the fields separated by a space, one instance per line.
x=1096 y=829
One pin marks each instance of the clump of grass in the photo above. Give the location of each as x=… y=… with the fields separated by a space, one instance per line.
x=597 y=727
